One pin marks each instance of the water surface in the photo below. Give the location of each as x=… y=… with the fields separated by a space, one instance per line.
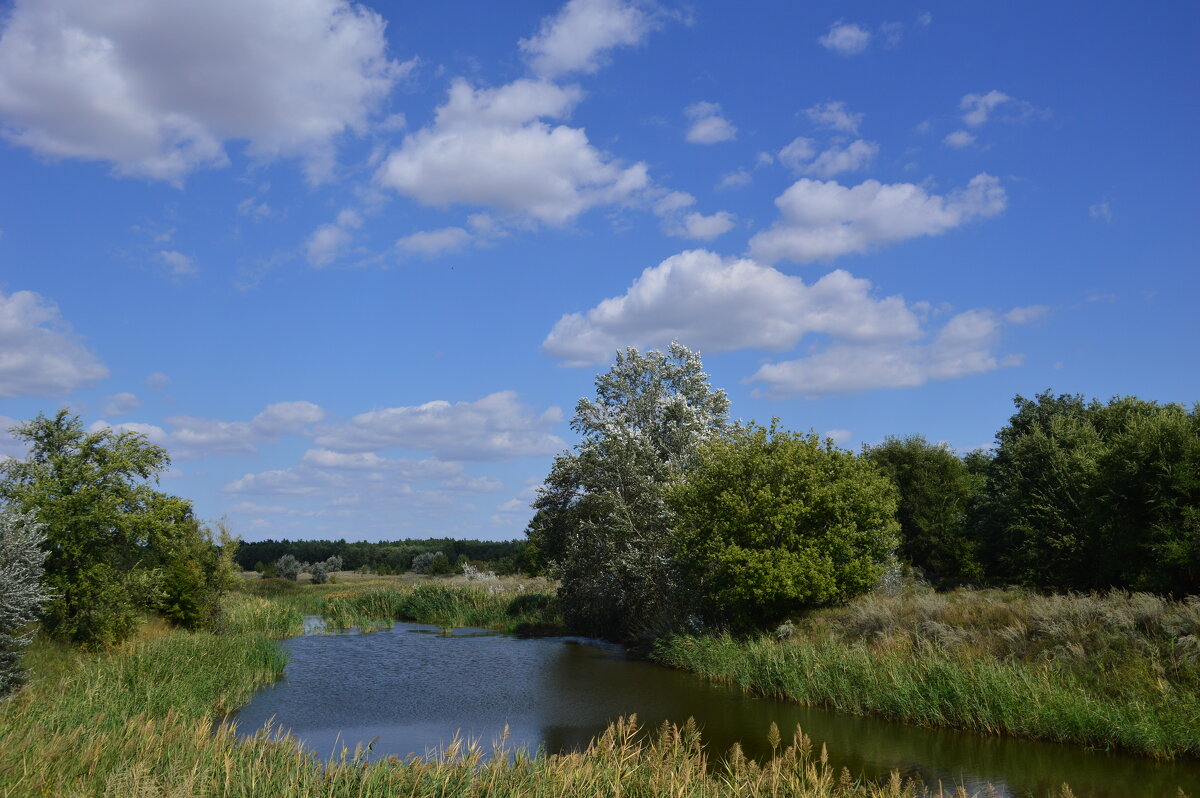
x=413 y=688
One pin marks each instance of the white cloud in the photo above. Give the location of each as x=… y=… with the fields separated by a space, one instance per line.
x=924 y=19
x=178 y=264
x=846 y=38
x=489 y=147
x=407 y=469
x=496 y=427
x=696 y=226
x=977 y=107
x=892 y=33
x=826 y=219
x=964 y=346
x=708 y=126
x=40 y=355
x=836 y=160
x=120 y=403
x=156 y=89
x=157 y=381
x=1101 y=211
x=699 y=227
x=719 y=304
x=839 y=436
x=328 y=241
x=959 y=139
x=834 y=116
x=735 y=179
x=1026 y=314
x=189 y=437
x=466 y=484
x=578 y=36
x=796 y=154
x=434 y=242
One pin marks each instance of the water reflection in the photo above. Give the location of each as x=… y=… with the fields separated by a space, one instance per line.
x=414 y=687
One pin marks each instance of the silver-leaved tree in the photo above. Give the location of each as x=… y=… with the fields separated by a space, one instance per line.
x=601 y=524
x=22 y=593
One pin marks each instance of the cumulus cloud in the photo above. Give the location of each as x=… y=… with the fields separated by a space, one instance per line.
x=692 y=225
x=846 y=38
x=120 y=403
x=429 y=243
x=708 y=126
x=965 y=345
x=720 y=304
x=328 y=241
x=798 y=153
x=836 y=160
x=407 y=469
x=577 y=38
x=834 y=116
x=496 y=427
x=157 y=381
x=40 y=355
x=826 y=219
x=189 y=437
x=1101 y=211
x=978 y=107
x=735 y=179
x=490 y=147
x=959 y=139
x=157 y=89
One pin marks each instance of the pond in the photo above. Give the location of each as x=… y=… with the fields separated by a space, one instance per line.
x=411 y=688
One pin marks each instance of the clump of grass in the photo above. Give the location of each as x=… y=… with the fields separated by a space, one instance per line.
x=1110 y=671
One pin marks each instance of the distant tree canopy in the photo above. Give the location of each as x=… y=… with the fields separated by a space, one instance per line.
x=1086 y=496
x=769 y=521
x=935 y=487
x=389 y=557
x=114 y=544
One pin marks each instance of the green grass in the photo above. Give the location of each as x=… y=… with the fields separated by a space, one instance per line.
x=143 y=720
x=1116 y=671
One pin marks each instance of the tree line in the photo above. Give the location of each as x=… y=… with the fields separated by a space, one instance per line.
x=388 y=557
x=668 y=515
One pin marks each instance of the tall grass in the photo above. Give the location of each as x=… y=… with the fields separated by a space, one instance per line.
x=1114 y=671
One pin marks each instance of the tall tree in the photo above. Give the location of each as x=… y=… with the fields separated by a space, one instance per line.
x=601 y=523
x=935 y=487
x=113 y=542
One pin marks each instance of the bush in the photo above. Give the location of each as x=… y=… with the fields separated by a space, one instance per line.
x=21 y=592
x=769 y=522
x=288 y=567
x=433 y=563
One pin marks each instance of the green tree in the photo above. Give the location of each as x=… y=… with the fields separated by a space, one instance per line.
x=935 y=487
x=114 y=543
x=770 y=521
x=601 y=524
x=22 y=594
x=1085 y=496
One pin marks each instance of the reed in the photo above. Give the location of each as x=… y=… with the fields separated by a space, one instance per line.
x=1109 y=671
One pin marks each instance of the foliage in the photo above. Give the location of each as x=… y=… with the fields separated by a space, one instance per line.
x=389 y=557
x=1115 y=671
x=433 y=563
x=769 y=522
x=935 y=488
x=601 y=523
x=21 y=592
x=288 y=567
x=114 y=544
x=1089 y=496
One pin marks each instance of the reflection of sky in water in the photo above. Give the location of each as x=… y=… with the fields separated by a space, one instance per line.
x=414 y=688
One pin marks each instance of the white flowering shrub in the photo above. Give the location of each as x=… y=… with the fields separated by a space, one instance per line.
x=22 y=594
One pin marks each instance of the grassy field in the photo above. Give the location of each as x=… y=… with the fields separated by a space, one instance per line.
x=145 y=719
x=1119 y=671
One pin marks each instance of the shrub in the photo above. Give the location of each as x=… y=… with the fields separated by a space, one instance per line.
x=433 y=563
x=21 y=592
x=288 y=567
x=769 y=522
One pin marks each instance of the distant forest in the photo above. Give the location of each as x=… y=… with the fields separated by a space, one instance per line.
x=389 y=557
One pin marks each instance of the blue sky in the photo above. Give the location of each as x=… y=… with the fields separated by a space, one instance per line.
x=354 y=264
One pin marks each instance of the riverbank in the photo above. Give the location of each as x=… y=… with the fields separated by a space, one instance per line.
x=1119 y=671
x=139 y=720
